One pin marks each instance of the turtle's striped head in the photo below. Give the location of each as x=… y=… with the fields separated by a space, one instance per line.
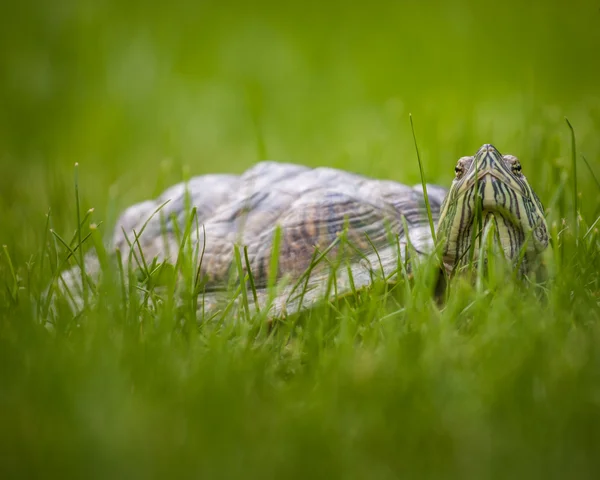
x=491 y=187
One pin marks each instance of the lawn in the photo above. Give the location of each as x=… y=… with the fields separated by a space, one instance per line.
x=500 y=380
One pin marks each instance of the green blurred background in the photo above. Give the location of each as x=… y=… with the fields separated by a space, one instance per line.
x=142 y=94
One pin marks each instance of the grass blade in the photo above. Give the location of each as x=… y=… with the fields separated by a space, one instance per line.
x=423 y=183
x=591 y=229
x=274 y=264
x=251 y=279
x=477 y=222
x=14 y=288
x=81 y=262
x=242 y=279
x=591 y=172
x=575 y=193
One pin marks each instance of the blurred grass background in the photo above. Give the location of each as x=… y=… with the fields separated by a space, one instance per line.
x=142 y=94
x=134 y=92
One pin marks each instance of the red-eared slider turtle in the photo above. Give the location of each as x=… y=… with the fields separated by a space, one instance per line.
x=324 y=220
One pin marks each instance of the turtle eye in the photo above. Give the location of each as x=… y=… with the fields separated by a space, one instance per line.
x=459 y=171
x=516 y=168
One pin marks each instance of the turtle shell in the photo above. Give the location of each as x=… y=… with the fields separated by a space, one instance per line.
x=317 y=210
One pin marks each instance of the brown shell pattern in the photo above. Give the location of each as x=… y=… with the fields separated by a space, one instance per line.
x=312 y=207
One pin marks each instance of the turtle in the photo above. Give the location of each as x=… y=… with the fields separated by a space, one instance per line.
x=300 y=235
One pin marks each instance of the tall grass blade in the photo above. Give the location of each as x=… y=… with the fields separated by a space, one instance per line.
x=251 y=279
x=14 y=287
x=591 y=229
x=274 y=263
x=304 y=277
x=376 y=251
x=575 y=192
x=316 y=259
x=43 y=250
x=477 y=221
x=81 y=262
x=242 y=280
x=591 y=172
x=423 y=183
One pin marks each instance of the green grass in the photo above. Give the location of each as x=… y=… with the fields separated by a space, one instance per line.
x=501 y=380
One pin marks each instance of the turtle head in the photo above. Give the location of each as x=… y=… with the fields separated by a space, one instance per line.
x=491 y=188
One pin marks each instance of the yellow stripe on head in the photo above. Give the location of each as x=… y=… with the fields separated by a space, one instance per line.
x=494 y=185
